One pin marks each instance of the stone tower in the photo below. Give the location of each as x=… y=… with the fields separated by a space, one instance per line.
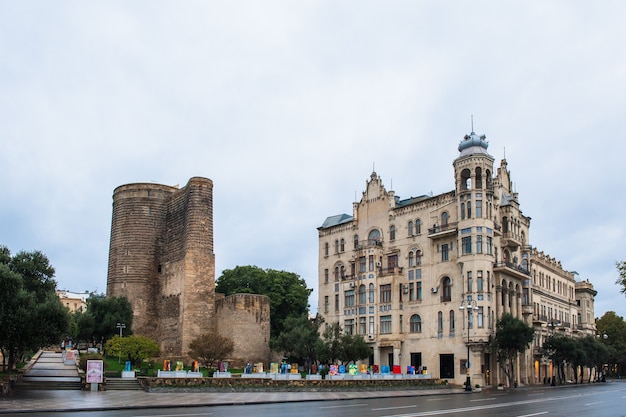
x=161 y=258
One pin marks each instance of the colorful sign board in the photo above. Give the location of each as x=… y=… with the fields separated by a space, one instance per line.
x=95 y=371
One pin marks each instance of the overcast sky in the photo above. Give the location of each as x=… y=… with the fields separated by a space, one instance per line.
x=288 y=106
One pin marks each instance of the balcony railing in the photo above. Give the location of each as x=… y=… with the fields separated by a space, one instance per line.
x=442 y=229
x=511 y=265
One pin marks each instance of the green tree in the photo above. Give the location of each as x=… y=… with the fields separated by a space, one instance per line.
x=288 y=293
x=612 y=333
x=31 y=314
x=513 y=336
x=99 y=322
x=300 y=340
x=621 y=281
x=133 y=348
x=343 y=347
x=210 y=348
x=332 y=343
x=353 y=348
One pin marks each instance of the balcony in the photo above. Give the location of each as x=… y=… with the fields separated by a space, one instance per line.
x=511 y=269
x=510 y=240
x=390 y=271
x=437 y=232
x=369 y=243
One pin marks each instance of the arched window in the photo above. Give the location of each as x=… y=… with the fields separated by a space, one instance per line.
x=418 y=257
x=410 y=228
x=374 y=237
x=440 y=322
x=447 y=289
x=326 y=249
x=392 y=232
x=479 y=178
x=336 y=246
x=342 y=245
x=371 y=293
x=444 y=218
x=466 y=181
x=451 y=321
x=362 y=295
x=356 y=241
x=416 y=324
x=418 y=227
x=411 y=259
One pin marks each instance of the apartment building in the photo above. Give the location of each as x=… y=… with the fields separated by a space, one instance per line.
x=424 y=279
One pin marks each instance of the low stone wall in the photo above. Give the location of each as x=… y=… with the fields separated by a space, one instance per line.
x=258 y=384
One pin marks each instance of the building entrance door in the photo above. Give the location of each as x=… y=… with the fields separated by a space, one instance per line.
x=446 y=365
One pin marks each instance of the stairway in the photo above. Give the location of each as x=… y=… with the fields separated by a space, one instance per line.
x=49 y=372
x=118 y=384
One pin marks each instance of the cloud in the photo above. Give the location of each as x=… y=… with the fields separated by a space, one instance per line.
x=288 y=106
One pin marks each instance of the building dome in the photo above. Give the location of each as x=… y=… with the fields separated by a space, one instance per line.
x=472 y=144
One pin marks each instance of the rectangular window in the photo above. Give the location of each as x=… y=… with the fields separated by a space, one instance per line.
x=469 y=209
x=326 y=306
x=336 y=302
x=480 y=317
x=466 y=245
x=385 y=324
x=479 y=209
x=348 y=326
x=362 y=264
x=349 y=298
x=418 y=289
x=469 y=281
x=411 y=291
x=385 y=293
x=371 y=324
x=418 y=274
x=489 y=245
x=444 y=252
x=371 y=261
x=362 y=325
x=479 y=244
x=411 y=275
x=479 y=281
x=326 y=276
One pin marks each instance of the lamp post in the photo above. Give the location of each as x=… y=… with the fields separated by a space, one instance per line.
x=552 y=324
x=469 y=306
x=600 y=337
x=120 y=326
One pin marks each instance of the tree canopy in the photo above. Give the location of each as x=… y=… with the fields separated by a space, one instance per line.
x=513 y=336
x=31 y=314
x=621 y=281
x=300 y=340
x=99 y=322
x=612 y=332
x=133 y=348
x=288 y=293
x=209 y=348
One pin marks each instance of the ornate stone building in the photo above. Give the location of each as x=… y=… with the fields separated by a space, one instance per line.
x=161 y=258
x=424 y=279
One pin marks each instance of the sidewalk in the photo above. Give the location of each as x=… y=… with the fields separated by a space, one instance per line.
x=67 y=401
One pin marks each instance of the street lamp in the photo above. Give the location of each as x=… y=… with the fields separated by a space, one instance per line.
x=120 y=326
x=603 y=336
x=469 y=305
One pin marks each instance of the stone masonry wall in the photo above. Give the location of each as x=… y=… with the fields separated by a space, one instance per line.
x=246 y=319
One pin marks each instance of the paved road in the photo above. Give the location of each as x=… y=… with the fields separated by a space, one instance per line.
x=607 y=400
